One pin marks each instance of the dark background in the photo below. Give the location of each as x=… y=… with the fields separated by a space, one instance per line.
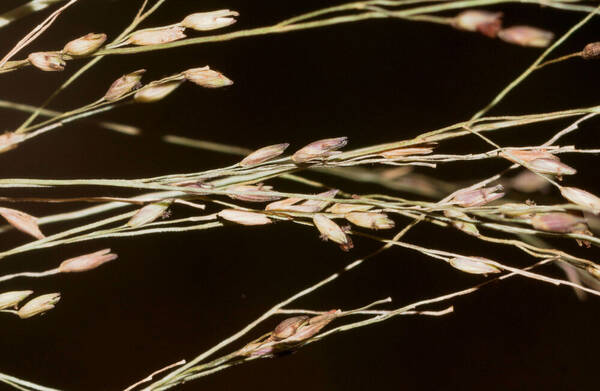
x=173 y=296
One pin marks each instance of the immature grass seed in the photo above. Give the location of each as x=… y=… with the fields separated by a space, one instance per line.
x=155 y=92
x=22 y=221
x=319 y=149
x=457 y=217
x=478 y=197
x=207 y=78
x=157 y=36
x=347 y=208
x=552 y=167
x=264 y=154
x=206 y=21
x=282 y=204
x=474 y=265
x=149 y=213
x=558 y=222
x=370 y=220
x=85 y=45
x=38 y=305
x=401 y=152
x=87 y=262
x=12 y=299
x=581 y=198
x=244 y=217
x=124 y=85
x=526 y=36
x=288 y=327
x=248 y=193
x=47 y=61
x=332 y=231
x=288 y=334
x=527 y=155
x=485 y=22
x=10 y=140
x=319 y=205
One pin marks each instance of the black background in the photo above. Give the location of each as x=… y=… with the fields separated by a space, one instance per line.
x=173 y=296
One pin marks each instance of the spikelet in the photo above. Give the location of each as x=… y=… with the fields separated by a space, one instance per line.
x=205 y=21
x=124 y=85
x=38 y=305
x=319 y=149
x=526 y=36
x=47 y=61
x=22 y=221
x=157 y=36
x=264 y=154
x=87 y=262
x=85 y=45
x=332 y=231
x=244 y=217
x=207 y=78
x=474 y=265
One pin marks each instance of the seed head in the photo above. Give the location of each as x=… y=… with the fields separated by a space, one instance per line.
x=12 y=299
x=157 y=36
x=370 y=220
x=319 y=149
x=478 y=197
x=124 y=85
x=157 y=91
x=264 y=154
x=332 y=231
x=552 y=167
x=526 y=36
x=149 y=213
x=207 y=78
x=47 y=61
x=22 y=221
x=85 y=45
x=581 y=198
x=87 y=262
x=205 y=21
x=244 y=217
x=38 y=305
x=591 y=51
x=474 y=265
x=485 y=22
x=558 y=222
